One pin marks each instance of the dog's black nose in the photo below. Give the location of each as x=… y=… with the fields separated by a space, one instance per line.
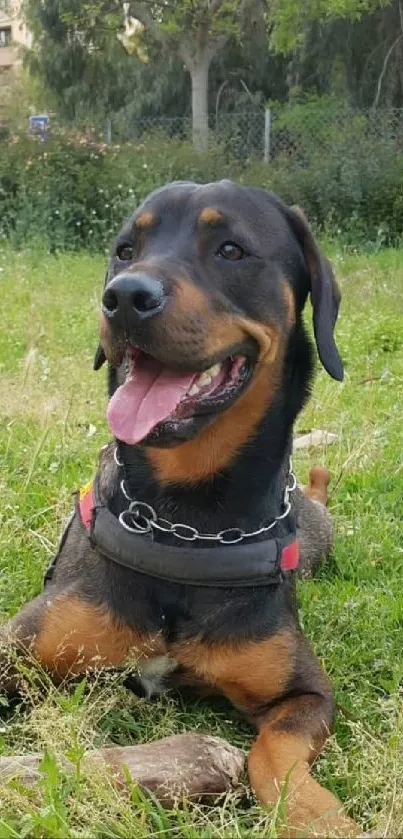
x=138 y=292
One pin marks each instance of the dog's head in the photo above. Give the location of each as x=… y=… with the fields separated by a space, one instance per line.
x=204 y=289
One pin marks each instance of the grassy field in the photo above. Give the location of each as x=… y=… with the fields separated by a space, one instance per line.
x=52 y=409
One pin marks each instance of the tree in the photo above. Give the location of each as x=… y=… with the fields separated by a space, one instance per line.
x=358 y=41
x=95 y=72
x=89 y=72
x=197 y=31
x=291 y=17
x=140 y=57
x=359 y=60
x=194 y=30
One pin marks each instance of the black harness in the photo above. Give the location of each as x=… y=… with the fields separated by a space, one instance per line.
x=258 y=563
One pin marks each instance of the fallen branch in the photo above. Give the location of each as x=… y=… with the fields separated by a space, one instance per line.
x=317 y=437
x=192 y=766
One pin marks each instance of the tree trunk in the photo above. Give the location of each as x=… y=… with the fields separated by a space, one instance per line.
x=199 y=71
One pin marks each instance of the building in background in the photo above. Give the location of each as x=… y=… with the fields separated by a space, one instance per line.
x=13 y=34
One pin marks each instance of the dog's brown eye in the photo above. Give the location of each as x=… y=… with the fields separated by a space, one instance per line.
x=229 y=250
x=125 y=253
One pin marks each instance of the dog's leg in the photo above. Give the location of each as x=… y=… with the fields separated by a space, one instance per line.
x=68 y=635
x=292 y=733
x=291 y=736
x=279 y=686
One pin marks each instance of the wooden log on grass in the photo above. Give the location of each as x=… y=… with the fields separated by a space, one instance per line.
x=314 y=439
x=191 y=766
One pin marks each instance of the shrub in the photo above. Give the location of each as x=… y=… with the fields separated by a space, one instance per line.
x=73 y=193
x=344 y=169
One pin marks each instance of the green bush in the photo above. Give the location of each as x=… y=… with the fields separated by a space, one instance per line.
x=74 y=193
x=344 y=169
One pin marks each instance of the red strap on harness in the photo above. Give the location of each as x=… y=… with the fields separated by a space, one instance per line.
x=290 y=557
x=86 y=505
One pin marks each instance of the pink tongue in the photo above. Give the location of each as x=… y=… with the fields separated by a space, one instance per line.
x=148 y=397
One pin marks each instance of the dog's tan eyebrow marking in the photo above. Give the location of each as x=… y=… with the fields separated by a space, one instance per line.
x=145 y=220
x=210 y=216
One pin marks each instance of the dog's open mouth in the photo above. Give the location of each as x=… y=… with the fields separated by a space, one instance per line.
x=152 y=394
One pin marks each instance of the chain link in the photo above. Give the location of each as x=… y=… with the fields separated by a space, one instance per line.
x=142 y=518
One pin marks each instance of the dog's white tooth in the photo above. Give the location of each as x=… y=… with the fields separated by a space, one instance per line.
x=214 y=371
x=193 y=390
x=204 y=379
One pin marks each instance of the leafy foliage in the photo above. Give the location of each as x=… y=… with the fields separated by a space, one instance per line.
x=292 y=17
x=344 y=169
x=95 y=71
x=84 y=45
x=74 y=192
x=88 y=74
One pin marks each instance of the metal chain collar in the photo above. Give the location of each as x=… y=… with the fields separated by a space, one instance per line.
x=141 y=518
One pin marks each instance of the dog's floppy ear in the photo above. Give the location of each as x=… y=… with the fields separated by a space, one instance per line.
x=325 y=295
x=100 y=356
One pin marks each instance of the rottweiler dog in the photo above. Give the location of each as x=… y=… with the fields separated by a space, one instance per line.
x=182 y=555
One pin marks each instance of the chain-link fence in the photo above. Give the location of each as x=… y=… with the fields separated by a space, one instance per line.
x=299 y=133
x=295 y=133
x=241 y=133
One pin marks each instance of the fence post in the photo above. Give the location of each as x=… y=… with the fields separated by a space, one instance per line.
x=267 y=132
x=108 y=131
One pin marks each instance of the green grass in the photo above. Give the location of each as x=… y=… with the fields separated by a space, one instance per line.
x=52 y=425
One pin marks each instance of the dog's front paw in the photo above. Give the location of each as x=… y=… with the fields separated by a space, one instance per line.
x=311 y=810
